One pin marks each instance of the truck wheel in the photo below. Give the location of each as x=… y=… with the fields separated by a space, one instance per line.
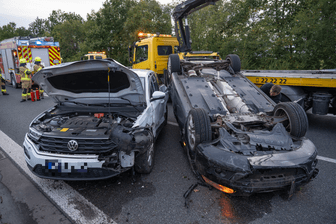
x=234 y=62
x=144 y=162
x=198 y=130
x=297 y=121
x=13 y=81
x=173 y=64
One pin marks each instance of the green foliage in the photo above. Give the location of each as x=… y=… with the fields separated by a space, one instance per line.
x=269 y=34
x=10 y=30
x=266 y=34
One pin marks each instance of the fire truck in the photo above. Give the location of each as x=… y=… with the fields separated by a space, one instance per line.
x=14 y=49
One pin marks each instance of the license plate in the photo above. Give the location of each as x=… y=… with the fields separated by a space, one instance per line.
x=65 y=167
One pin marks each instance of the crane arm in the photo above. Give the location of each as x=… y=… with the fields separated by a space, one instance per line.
x=182 y=11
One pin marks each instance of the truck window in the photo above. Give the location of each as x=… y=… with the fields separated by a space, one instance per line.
x=99 y=57
x=141 y=53
x=91 y=57
x=165 y=50
x=176 y=49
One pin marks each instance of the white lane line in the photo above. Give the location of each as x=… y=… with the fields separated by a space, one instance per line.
x=172 y=123
x=70 y=201
x=326 y=159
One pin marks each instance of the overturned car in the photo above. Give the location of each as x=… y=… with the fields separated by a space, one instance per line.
x=237 y=139
x=105 y=122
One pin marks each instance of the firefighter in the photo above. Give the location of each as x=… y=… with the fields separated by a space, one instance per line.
x=3 y=84
x=37 y=67
x=25 y=74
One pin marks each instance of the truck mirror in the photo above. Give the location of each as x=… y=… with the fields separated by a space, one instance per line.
x=130 y=54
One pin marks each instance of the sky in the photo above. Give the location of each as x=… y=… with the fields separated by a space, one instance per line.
x=23 y=12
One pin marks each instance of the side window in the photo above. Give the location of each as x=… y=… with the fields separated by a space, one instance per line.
x=153 y=85
x=91 y=57
x=141 y=53
x=165 y=50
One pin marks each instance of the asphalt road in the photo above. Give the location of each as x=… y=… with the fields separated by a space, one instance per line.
x=158 y=197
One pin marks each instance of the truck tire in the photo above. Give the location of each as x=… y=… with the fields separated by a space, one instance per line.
x=234 y=62
x=297 y=121
x=198 y=130
x=13 y=81
x=144 y=162
x=173 y=64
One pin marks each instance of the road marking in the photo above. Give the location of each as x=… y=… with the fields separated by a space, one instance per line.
x=172 y=123
x=326 y=159
x=70 y=201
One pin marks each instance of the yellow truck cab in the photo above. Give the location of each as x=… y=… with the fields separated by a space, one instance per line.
x=94 y=56
x=152 y=51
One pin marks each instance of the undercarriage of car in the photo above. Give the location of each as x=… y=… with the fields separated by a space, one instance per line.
x=237 y=139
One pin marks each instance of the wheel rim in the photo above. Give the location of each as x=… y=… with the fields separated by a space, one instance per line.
x=191 y=133
x=287 y=123
x=150 y=155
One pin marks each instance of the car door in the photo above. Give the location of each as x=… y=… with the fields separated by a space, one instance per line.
x=157 y=105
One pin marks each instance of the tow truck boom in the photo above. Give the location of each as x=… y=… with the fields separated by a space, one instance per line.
x=182 y=11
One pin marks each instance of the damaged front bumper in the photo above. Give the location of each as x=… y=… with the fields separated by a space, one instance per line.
x=247 y=175
x=66 y=166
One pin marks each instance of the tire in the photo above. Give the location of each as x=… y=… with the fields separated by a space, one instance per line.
x=198 y=130
x=144 y=163
x=297 y=121
x=13 y=82
x=234 y=62
x=173 y=64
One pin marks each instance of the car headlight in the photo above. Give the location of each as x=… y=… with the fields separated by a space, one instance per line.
x=33 y=133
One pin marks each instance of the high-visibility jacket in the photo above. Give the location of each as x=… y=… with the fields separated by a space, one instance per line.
x=37 y=68
x=25 y=74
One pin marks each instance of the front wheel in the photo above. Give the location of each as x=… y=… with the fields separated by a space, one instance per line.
x=296 y=123
x=144 y=162
x=198 y=130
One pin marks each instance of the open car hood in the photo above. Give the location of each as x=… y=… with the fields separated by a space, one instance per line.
x=88 y=80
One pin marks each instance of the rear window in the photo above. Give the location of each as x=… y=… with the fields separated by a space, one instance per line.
x=165 y=50
x=86 y=82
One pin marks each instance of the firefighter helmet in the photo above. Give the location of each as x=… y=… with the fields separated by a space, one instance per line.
x=23 y=61
x=38 y=59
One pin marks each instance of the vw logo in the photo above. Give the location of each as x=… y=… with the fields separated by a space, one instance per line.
x=72 y=145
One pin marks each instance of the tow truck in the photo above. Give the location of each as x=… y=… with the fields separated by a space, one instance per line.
x=16 y=48
x=314 y=89
x=94 y=55
x=151 y=52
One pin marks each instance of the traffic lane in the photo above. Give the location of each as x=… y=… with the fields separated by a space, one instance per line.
x=158 y=196
x=206 y=206
x=15 y=117
x=322 y=132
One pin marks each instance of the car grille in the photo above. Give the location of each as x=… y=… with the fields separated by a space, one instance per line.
x=273 y=178
x=87 y=146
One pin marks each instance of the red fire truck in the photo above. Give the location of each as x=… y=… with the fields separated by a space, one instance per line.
x=14 y=49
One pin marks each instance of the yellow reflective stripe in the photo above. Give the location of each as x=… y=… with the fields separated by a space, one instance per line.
x=24 y=94
x=3 y=90
x=25 y=79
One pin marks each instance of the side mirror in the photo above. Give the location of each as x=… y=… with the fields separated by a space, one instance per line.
x=158 y=95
